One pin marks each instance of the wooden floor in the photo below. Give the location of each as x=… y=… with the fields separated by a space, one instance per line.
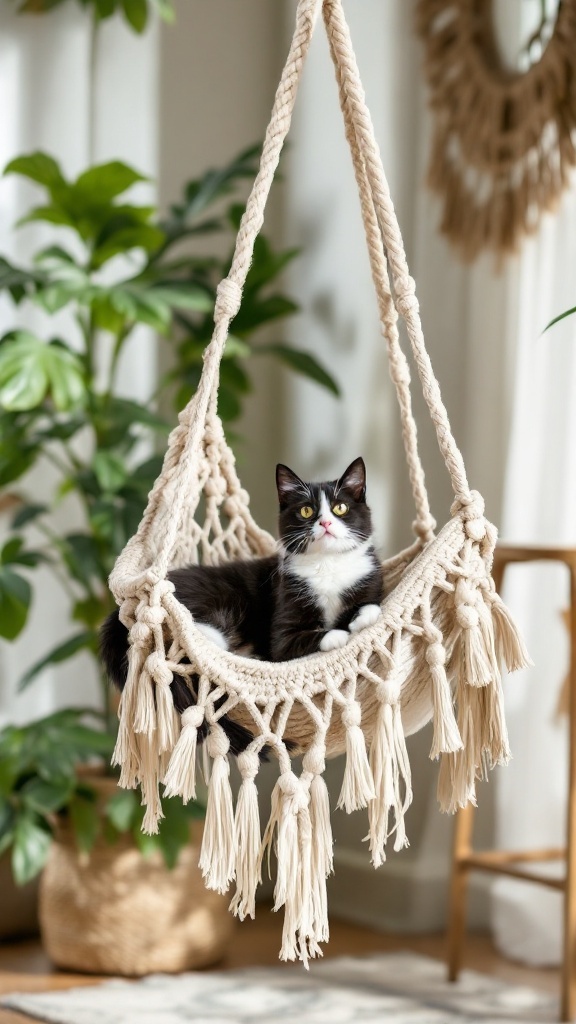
x=24 y=966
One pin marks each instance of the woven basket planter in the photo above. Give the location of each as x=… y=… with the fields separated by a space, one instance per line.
x=114 y=911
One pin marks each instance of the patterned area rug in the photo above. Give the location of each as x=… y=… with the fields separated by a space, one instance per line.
x=398 y=988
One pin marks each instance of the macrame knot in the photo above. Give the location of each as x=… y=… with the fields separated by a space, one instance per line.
x=424 y=529
x=218 y=743
x=436 y=654
x=465 y=594
x=467 y=616
x=228 y=299
x=406 y=300
x=292 y=787
x=470 y=506
x=352 y=715
x=140 y=634
x=387 y=690
x=193 y=716
x=313 y=760
x=160 y=590
x=248 y=764
x=153 y=616
x=127 y=611
x=158 y=669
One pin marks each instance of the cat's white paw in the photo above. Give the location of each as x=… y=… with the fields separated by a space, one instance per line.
x=333 y=639
x=367 y=616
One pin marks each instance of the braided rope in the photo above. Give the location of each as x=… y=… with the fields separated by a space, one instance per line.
x=424 y=524
x=406 y=302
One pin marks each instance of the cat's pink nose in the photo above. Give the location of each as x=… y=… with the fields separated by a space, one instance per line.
x=325 y=523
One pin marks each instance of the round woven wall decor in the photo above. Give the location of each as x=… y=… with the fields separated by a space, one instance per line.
x=503 y=142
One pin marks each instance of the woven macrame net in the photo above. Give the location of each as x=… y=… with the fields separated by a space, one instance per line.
x=433 y=653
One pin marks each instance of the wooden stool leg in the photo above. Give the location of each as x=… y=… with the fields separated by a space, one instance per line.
x=458 y=889
x=568 y=997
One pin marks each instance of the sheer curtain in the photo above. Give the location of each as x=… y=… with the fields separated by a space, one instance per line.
x=83 y=99
x=539 y=508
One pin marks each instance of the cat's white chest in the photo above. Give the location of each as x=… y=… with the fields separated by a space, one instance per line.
x=329 y=576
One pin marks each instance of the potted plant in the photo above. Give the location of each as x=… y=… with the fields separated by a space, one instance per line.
x=59 y=401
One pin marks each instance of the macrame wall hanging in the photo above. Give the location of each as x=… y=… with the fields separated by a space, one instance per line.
x=503 y=143
x=433 y=654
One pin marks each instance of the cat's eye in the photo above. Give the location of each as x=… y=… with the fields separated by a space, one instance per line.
x=306 y=511
x=340 y=509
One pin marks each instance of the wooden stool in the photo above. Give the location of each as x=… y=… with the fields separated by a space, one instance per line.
x=508 y=862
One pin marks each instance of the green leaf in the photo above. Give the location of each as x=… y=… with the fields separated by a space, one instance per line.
x=30 y=370
x=165 y=10
x=184 y=297
x=81 y=554
x=27 y=514
x=136 y=12
x=561 y=316
x=85 y=821
x=106 y=181
x=7 y=821
x=111 y=471
x=46 y=797
x=122 y=809
x=90 y=612
x=15 y=599
x=32 y=839
x=54 y=254
x=255 y=311
x=70 y=647
x=139 y=304
x=236 y=347
x=11 y=549
x=37 y=167
x=52 y=214
x=174 y=830
x=302 y=362
x=17 y=281
x=105 y=8
x=11 y=743
x=138 y=236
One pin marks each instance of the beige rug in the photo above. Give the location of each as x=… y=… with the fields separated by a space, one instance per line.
x=395 y=988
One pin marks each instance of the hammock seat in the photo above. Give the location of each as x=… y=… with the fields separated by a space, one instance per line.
x=434 y=653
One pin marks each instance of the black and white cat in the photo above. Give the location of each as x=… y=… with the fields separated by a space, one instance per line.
x=323 y=585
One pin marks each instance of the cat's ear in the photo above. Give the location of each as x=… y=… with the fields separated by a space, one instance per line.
x=287 y=483
x=353 y=480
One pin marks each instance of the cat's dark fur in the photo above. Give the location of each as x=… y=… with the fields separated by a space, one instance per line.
x=325 y=580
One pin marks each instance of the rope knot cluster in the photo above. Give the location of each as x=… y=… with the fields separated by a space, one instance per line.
x=436 y=654
x=424 y=529
x=228 y=299
x=406 y=301
x=352 y=715
x=193 y=716
x=470 y=505
x=248 y=764
x=218 y=743
x=158 y=669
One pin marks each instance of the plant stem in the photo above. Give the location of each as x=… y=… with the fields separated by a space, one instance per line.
x=118 y=346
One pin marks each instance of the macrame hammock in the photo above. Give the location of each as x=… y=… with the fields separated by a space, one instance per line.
x=504 y=143
x=442 y=627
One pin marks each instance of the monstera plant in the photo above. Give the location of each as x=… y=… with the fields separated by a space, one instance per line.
x=112 y=265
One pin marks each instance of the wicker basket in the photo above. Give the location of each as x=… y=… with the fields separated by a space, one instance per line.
x=115 y=912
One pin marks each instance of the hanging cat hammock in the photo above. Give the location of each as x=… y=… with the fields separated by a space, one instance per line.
x=504 y=143
x=442 y=627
